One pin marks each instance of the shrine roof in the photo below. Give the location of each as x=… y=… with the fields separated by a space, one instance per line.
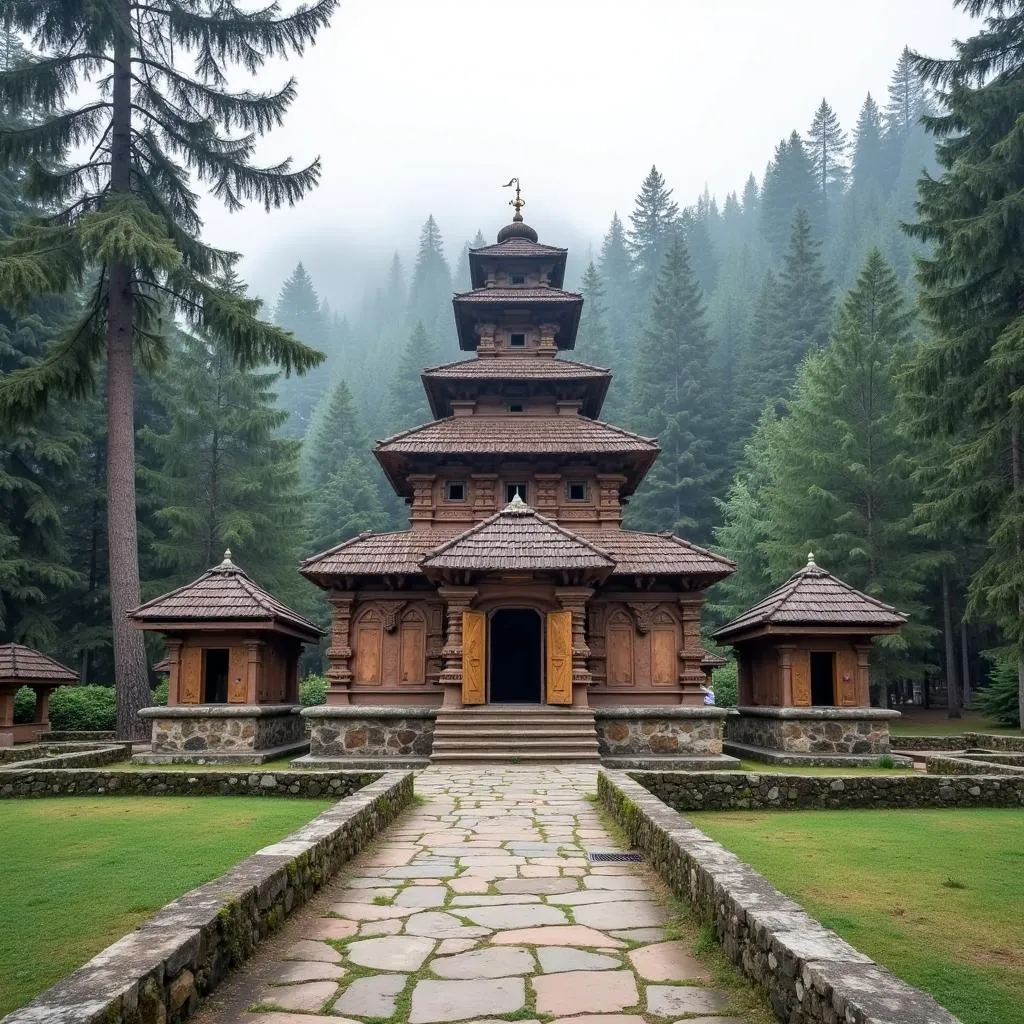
x=514 y=249
x=658 y=554
x=227 y=594
x=814 y=597
x=373 y=554
x=709 y=660
x=518 y=539
x=513 y=294
x=19 y=663
x=553 y=304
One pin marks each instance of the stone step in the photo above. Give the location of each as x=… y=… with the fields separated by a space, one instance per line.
x=487 y=732
x=531 y=721
x=515 y=743
x=499 y=756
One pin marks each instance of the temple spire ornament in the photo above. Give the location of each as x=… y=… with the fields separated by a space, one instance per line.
x=518 y=203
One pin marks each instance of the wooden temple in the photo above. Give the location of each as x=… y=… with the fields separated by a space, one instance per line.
x=22 y=666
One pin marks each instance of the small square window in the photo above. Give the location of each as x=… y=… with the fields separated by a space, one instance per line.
x=511 y=490
x=577 y=491
x=518 y=279
x=455 y=490
x=516 y=407
x=517 y=340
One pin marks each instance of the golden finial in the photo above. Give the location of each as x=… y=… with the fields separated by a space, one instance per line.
x=518 y=203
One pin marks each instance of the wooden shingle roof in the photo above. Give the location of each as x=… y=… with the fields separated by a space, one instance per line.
x=813 y=597
x=225 y=594
x=23 y=664
x=658 y=554
x=518 y=539
x=372 y=554
x=514 y=249
x=516 y=368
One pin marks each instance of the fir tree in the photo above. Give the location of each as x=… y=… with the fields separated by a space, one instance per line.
x=430 y=294
x=128 y=215
x=298 y=310
x=463 y=280
x=616 y=272
x=672 y=400
x=652 y=229
x=407 y=402
x=223 y=479
x=827 y=148
x=908 y=97
x=869 y=162
x=592 y=345
x=966 y=381
x=789 y=185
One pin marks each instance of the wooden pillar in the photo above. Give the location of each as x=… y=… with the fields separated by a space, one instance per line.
x=863 y=676
x=691 y=675
x=254 y=668
x=784 y=688
x=173 y=645
x=339 y=653
x=42 y=715
x=574 y=600
x=456 y=601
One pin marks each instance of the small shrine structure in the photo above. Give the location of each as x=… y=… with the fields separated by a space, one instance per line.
x=232 y=661
x=803 y=659
x=22 y=666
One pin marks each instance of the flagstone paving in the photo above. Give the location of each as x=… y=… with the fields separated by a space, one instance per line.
x=481 y=905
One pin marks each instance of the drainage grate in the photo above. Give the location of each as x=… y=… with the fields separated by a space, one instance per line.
x=615 y=858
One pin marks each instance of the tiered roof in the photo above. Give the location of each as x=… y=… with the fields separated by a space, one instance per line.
x=658 y=554
x=517 y=249
x=533 y=302
x=22 y=664
x=813 y=598
x=223 y=594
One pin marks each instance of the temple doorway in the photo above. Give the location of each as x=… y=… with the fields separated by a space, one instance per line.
x=823 y=671
x=515 y=661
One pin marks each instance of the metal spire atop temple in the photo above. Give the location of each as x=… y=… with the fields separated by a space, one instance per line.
x=518 y=203
x=518 y=228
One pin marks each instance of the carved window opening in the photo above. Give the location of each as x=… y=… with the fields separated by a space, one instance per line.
x=517 y=407
x=576 y=490
x=514 y=490
x=455 y=490
x=518 y=279
x=215 y=675
x=517 y=340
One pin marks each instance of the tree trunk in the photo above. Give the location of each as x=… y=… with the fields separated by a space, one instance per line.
x=1015 y=477
x=952 y=686
x=131 y=680
x=965 y=667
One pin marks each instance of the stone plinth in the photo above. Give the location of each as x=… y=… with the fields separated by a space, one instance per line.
x=811 y=732
x=216 y=732
x=369 y=735
x=638 y=733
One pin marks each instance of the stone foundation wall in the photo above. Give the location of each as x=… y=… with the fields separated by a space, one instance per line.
x=813 y=731
x=160 y=971
x=810 y=975
x=92 y=758
x=365 y=732
x=224 y=728
x=750 y=791
x=659 y=731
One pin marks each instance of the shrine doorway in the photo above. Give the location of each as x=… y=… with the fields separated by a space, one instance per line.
x=516 y=656
x=823 y=673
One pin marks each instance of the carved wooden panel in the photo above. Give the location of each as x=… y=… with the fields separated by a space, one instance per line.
x=846 y=678
x=369 y=637
x=412 y=660
x=191 y=685
x=474 y=650
x=664 y=656
x=238 y=674
x=559 y=666
x=620 y=635
x=801 y=679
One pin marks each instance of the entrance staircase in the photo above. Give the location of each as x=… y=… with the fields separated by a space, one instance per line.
x=515 y=733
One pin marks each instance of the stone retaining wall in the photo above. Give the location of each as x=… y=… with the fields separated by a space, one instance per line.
x=93 y=758
x=732 y=791
x=224 y=728
x=79 y=734
x=938 y=764
x=811 y=976
x=862 y=731
x=34 y=751
x=86 y=782
x=659 y=731
x=365 y=732
x=159 y=972
x=963 y=741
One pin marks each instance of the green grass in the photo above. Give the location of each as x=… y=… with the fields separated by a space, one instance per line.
x=789 y=769
x=936 y=723
x=78 y=873
x=935 y=896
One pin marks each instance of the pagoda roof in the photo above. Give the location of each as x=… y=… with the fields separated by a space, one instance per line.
x=637 y=553
x=516 y=435
x=514 y=249
x=24 y=664
x=538 y=302
x=372 y=554
x=223 y=594
x=709 y=660
x=518 y=539
x=440 y=381
x=813 y=598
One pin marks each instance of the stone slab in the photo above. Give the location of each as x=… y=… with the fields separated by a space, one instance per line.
x=434 y=1002
x=391 y=953
x=577 y=992
x=371 y=997
x=668 y=961
x=620 y=915
x=309 y=997
x=676 y=1000
x=559 y=959
x=557 y=935
x=493 y=962
x=305 y=970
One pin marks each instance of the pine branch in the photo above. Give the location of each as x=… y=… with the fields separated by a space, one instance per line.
x=51 y=139
x=47 y=82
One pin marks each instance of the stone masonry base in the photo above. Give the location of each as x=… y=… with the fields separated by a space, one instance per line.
x=224 y=728
x=860 y=731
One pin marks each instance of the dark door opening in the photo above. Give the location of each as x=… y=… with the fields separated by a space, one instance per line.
x=515 y=657
x=823 y=679
x=215 y=675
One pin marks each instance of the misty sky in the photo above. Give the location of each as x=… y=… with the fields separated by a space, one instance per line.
x=420 y=107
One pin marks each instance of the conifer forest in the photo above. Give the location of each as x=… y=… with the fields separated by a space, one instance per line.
x=832 y=359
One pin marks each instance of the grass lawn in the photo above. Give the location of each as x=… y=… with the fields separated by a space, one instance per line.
x=799 y=769
x=935 y=896
x=80 y=872
x=921 y=722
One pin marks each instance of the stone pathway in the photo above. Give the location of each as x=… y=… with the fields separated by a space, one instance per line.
x=480 y=904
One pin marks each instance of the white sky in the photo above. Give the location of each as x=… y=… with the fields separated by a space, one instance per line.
x=426 y=106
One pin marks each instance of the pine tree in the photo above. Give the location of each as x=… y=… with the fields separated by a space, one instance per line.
x=127 y=214
x=789 y=185
x=751 y=202
x=966 y=379
x=592 y=345
x=463 y=280
x=298 y=310
x=908 y=97
x=652 y=230
x=868 y=168
x=827 y=148
x=223 y=478
x=407 y=401
x=673 y=400
x=616 y=270
x=430 y=295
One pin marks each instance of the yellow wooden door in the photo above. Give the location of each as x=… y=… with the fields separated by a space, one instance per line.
x=191 y=684
x=559 y=660
x=801 y=679
x=238 y=675
x=474 y=651
x=846 y=679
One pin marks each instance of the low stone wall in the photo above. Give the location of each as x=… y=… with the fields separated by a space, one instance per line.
x=224 y=728
x=79 y=734
x=994 y=741
x=810 y=975
x=367 y=733
x=962 y=741
x=159 y=972
x=93 y=758
x=939 y=764
x=659 y=731
x=751 y=791
x=85 y=782
x=863 y=731
x=36 y=751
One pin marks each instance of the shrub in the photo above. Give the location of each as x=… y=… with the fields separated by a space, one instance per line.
x=998 y=700
x=89 y=708
x=725 y=683
x=313 y=691
x=24 y=705
x=158 y=695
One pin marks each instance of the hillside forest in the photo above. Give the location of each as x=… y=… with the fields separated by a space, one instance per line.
x=829 y=360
